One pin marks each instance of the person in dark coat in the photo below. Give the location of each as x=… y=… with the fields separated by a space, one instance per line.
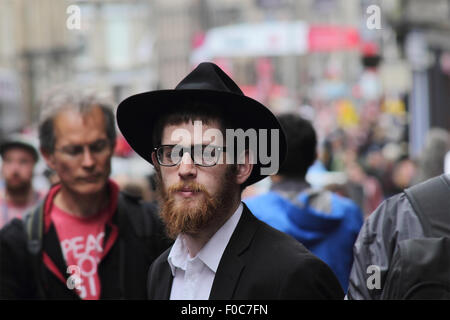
x=324 y=222
x=86 y=240
x=221 y=251
x=402 y=249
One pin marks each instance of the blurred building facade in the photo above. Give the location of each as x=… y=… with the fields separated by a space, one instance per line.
x=124 y=47
x=292 y=72
x=33 y=50
x=176 y=23
x=111 y=49
x=423 y=33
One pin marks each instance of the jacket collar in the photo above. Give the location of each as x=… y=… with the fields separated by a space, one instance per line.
x=232 y=262
x=212 y=251
x=230 y=266
x=49 y=199
x=52 y=252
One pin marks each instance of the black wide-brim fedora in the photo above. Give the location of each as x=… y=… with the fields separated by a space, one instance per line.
x=138 y=114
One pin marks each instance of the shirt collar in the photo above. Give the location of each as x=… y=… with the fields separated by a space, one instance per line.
x=212 y=251
x=178 y=255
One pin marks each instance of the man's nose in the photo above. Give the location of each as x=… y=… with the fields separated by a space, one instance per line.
x=14 y=169
x=88 y=158
x=187 y=167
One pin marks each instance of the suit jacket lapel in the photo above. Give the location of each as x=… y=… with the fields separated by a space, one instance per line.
x=231 y=264
x=162 y=280
x=166 y=284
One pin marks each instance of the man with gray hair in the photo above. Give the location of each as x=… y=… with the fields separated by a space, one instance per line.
x=86 y=240
x=19 y=157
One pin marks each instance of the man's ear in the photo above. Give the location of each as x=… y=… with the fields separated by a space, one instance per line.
x=49 y=158
x=113 y=146
x=244 y=170
x=155 y=161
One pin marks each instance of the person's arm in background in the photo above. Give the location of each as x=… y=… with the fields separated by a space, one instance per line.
x=16 y=275
x=394 y=220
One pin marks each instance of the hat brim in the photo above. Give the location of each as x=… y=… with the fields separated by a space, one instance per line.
x=137 y=115
x=7 y=145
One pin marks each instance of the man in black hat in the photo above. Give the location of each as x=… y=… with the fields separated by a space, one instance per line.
x=221 y=251
x=87 y=239
x=19 y=158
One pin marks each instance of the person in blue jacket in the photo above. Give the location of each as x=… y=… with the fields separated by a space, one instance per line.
x=324 y=222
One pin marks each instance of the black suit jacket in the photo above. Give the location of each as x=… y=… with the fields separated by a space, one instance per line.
x=259 y=262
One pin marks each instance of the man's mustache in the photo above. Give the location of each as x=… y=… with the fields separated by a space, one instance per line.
x=186 y=187
x=15 y=176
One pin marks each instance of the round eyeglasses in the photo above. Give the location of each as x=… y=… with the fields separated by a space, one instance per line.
x=170 y=155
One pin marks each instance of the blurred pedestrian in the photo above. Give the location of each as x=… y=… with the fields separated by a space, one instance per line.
x=221 y=250
x=86 y=240
x=363 y=188
x=403 y=174
x=327 y=224
x=19 y=158
x=432 y=158
x=403 y=249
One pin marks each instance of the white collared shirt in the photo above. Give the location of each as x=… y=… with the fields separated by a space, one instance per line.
x=193 y=277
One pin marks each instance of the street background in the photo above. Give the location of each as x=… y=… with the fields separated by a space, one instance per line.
x=373 y=76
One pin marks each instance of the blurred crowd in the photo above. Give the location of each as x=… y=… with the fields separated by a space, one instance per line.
x=343 y=160
x=369 y=146
x=362 y=154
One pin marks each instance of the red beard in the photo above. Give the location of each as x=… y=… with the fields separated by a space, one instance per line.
x=191 y=215
x=188 y=215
